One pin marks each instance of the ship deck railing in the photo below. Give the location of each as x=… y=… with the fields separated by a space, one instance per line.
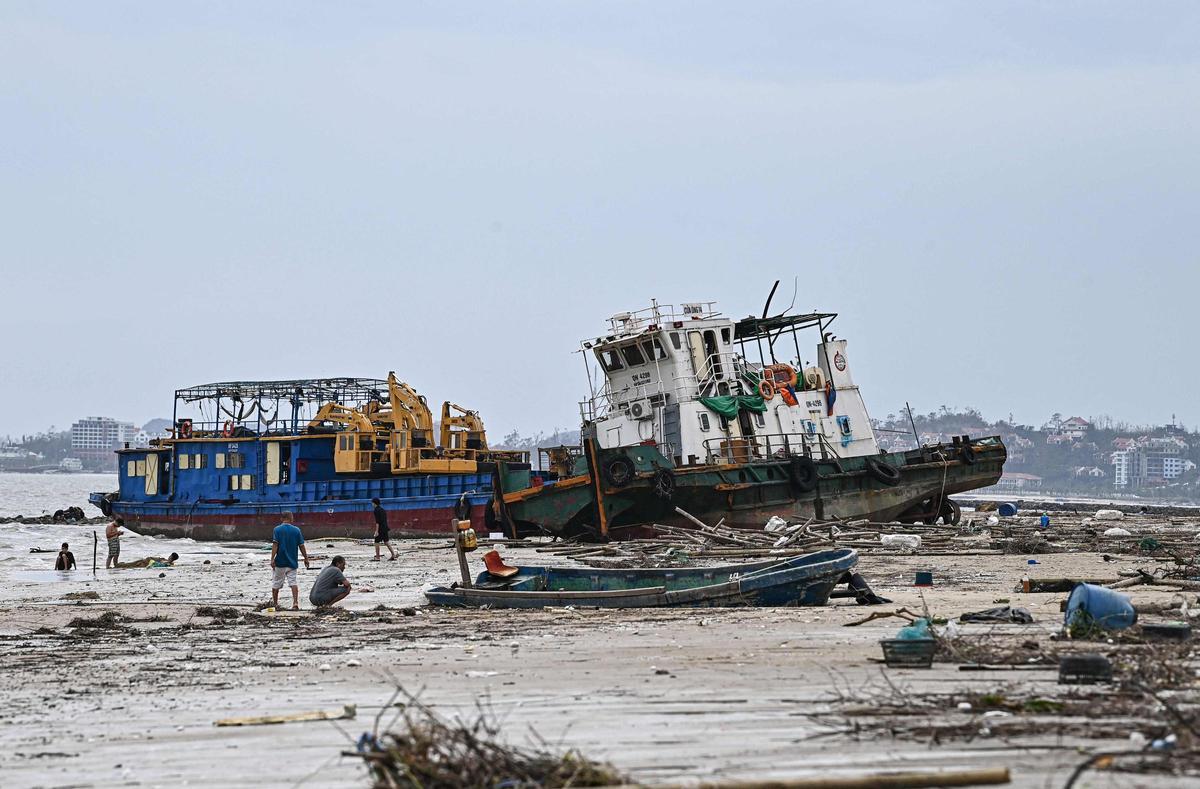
x=724 y=374
x=768 y=446
x=661 y=315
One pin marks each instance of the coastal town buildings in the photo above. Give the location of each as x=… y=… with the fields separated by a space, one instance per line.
x=94 y=438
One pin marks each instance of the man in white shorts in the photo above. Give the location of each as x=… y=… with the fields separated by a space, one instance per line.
x=285 y=540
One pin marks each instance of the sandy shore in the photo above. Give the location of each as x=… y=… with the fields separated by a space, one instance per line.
x=665 y=695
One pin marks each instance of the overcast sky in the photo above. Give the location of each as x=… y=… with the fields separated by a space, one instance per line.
x=1001 y=199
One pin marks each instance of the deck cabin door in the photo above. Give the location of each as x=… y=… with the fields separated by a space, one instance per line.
x=699 y=358
x=273 y=476
x=152 y=461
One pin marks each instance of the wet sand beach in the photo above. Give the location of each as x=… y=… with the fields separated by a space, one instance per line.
x=665 y=695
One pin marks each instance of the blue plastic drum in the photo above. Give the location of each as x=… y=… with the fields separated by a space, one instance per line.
x=1106 y=608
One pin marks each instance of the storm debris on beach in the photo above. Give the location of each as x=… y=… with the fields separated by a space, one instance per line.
x=169 y=656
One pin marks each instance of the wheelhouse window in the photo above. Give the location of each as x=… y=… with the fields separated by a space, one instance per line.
x=704 y=423
x=219 y=460
x=676 y=343
x=610 y=360
x=131 y=468
x=633 y=355
x=184 y=462
x=760 y=419
x=654 y=350
x=236 y=460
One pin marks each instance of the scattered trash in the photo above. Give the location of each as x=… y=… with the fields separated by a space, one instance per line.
x=1002 y=614
x=775 y=525
x=1167 y=631
x=324 y=667
x=353 y=663
x=1084 y=669
x=1109 y=515
x=426 y=750
x=347 y=713
x=1117 y=531
x=910 y=541
x=908 y=652
x=1090 y=607
x=1007 y=509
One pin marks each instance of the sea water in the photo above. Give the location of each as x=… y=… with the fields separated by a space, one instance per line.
x=42 y=494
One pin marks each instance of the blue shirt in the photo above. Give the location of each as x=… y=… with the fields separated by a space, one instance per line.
x=288 y=538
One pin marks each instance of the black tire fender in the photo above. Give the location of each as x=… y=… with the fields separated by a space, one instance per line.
x=883 y=471
x=803 y=471
x=106 y=507
x=950 y=513
x=967 y=453
x=619 y=472
x=664 y=483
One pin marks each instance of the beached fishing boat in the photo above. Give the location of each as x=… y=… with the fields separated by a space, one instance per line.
x=682 y=419
x=242 y=454
x=800 y=580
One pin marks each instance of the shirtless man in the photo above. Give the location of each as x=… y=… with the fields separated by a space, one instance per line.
x=113 y=535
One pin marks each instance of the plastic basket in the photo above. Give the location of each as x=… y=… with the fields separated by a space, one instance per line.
x=908 y=652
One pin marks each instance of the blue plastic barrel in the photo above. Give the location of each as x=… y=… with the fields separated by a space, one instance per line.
x=1007 y=509
x=1107 y=608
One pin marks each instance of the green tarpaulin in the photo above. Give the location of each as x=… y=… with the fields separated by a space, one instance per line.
x=728 y=406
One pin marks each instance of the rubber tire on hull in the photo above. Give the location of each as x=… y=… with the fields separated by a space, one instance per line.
x=883 y=471
x=664 y=483
x=619 y=472
x=106 y=507
x=951 y=512
x=967 y=453
x=803 y=471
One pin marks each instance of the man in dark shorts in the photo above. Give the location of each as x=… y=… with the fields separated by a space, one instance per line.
x=331 y=585
x=382 y=536
x=113 y=535
x=65 y=560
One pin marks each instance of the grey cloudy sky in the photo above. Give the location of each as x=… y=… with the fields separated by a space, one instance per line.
x=999 y=198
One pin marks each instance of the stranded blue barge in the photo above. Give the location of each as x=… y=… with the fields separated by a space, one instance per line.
x=242 y=454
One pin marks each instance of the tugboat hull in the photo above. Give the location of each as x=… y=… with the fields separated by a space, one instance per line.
x=747 y=495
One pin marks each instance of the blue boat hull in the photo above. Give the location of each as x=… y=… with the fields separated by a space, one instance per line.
x=797 y=581
x=418 y=516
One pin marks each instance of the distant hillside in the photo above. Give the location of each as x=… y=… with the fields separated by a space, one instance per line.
x=1070 y=454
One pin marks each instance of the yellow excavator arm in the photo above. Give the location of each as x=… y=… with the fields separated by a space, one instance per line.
x=463 y=429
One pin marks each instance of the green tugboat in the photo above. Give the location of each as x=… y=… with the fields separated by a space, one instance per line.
x=683 y=421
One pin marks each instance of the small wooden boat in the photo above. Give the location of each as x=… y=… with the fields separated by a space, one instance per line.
x=799 y=580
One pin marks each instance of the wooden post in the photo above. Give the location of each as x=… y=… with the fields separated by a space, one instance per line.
x=95 y=545
x=462 y=555
x=597 y=483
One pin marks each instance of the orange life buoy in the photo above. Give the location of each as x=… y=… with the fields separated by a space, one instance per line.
x=781 y=374
x=227 y=430
x=185 y=428
x=766 y=388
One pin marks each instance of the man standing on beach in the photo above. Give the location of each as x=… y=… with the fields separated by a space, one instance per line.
x=113 y=535
x=285 y=540
x=381 y=531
